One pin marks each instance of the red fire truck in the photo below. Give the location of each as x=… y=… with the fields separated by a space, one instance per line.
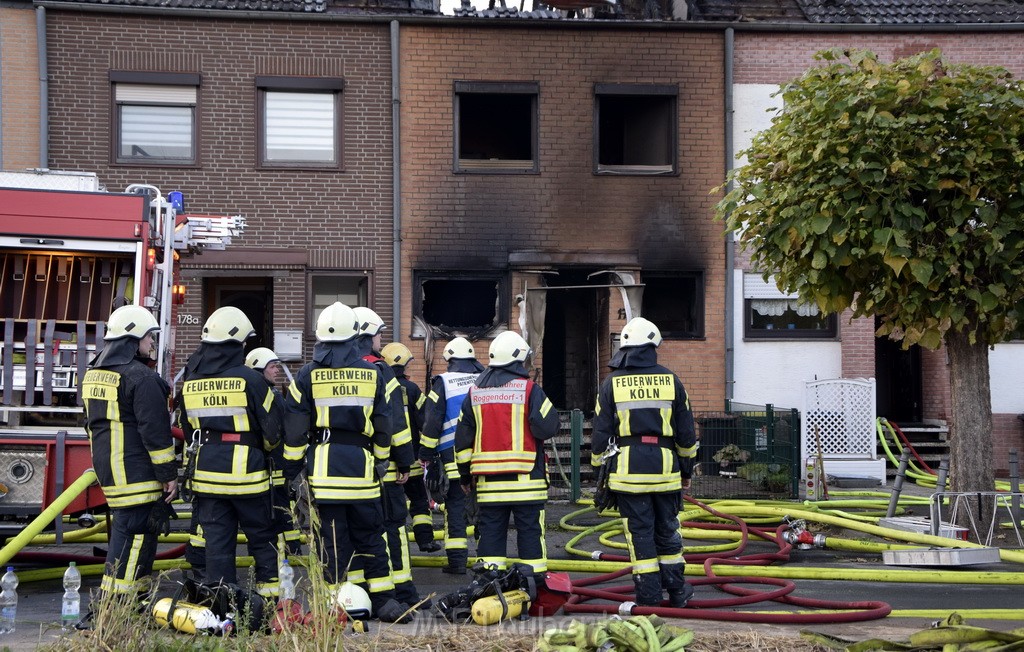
x=68 y=257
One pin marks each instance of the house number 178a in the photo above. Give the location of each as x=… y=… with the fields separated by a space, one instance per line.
x=188 y=319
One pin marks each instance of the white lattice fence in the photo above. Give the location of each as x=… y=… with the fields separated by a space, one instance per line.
x=839 y=417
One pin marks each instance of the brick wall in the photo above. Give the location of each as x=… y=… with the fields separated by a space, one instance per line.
x=469 y=221
x=19 y=74
x=333 y=215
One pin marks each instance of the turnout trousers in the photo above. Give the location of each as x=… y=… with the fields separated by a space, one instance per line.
x=219 y=518
x=651 y=523
x=419 y=509
x=131 y=551
x=492 y=528
x=356 y=528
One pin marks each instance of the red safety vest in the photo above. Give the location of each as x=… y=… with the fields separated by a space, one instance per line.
x=504 y=442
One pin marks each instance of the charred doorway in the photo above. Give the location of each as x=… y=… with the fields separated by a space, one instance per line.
x=253 y=296
x=898 y=381
x=572 y=326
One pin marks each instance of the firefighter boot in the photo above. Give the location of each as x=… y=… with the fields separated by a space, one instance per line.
x=648 y=589
x=679 y=592
x=456 y=563
x=393 y=611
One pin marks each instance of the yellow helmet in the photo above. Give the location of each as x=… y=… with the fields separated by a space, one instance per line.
x=508 y=347
x=337 y=323
x=396 y=354
x=130 y=321
x=370 y=322
x=639 y=331
x=460 y=348
x=227 y=324
x=258 y=359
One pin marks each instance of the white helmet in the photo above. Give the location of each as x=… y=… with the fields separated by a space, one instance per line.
x=460 y=349
x=227 y=324
x=258 y=359
x=337 y=323
x=130 y=321
x=639 y=331
x=507 y=348
x=370 y=322
x=354 y=600
x=396 y=354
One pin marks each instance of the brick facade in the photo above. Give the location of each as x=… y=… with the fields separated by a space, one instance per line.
x=475 y=221
x=336 y=219
x=19 y=75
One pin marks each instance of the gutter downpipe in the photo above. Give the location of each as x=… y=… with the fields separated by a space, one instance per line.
x=1 y=99
x=730 y=243
x=396 y=186
x=44 y=90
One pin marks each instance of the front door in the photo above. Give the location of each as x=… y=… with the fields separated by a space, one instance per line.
x=253 y=296
x=898 y=381
x=571 y=331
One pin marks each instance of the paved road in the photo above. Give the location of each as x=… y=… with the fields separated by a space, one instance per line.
x=39 y=607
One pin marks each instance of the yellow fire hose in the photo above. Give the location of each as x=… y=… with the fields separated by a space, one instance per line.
x=47 y=516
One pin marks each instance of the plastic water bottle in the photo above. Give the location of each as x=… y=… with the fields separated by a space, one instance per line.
x=72 y=602
x=286 y=574
x=8 y=600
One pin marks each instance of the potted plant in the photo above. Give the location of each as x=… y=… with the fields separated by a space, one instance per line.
x=727 y=455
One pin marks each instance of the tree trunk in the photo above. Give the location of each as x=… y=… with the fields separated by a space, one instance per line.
x=970 y=438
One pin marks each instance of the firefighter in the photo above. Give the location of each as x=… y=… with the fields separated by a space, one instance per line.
x=129 y=429
x=289 y=537
x=398 y=356
x=642 y=409
x=499 y=447
x=340 y=400
x=396 y=512
x=437 y=445
x=229 y=414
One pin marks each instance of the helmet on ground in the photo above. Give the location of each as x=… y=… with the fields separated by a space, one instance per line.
x=639 y=331
x=396 y=354
x=508 y=347
x=370 y=322
x=459 y=349
x=336 y=323
x=258 y=359
x=227 y=324
x=354 y=600
x=130 y=321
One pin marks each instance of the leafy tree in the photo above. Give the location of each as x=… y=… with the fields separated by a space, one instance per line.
x=895 y=189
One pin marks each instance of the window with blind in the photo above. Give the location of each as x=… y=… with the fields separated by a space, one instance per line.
x=772 y=314
x=299 y=122
x=155 y=118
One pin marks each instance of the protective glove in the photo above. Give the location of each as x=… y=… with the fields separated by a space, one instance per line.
x=435 y=476
x=160 y=516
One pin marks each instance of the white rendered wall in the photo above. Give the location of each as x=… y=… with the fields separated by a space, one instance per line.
x=771 y=371
x=1005 y=363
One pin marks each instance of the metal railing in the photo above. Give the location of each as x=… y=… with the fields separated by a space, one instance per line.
x=747 y=451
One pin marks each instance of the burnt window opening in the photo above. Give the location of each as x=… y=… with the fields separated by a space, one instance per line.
x=675 y=302
x=496 y=127
x=461 y=302
x=635 y=129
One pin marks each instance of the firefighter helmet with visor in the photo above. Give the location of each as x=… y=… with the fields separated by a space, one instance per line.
x=370 y=322
x=336 y=323
x=130 y=321
x=638 y=332
x=507 y=348
x=396 y=354
x=258 y=359
x=459 y=349
x=227 y=324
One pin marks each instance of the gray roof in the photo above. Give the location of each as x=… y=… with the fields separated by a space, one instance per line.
x=308 y=6
x=877 y=12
